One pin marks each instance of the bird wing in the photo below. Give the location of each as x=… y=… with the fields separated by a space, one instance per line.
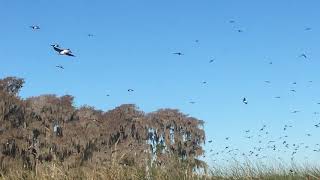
x=57 y=49
x=69 y=54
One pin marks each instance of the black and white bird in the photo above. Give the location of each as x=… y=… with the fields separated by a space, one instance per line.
x=244 y=100
x=62 y=51
x=35 y=27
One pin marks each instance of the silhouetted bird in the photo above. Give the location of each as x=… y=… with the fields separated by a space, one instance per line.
x=307 y=29
x=61 y=67
x=130 y=90
x=178 y=53
x=211 y=61
x=244 y=100
x=303 y=55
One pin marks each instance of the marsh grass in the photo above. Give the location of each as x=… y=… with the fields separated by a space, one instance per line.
x=176 y=170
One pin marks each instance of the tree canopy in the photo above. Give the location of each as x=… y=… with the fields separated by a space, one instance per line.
x=51 y=128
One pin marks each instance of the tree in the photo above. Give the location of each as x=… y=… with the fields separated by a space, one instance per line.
x=11 y=85
x=50 y=128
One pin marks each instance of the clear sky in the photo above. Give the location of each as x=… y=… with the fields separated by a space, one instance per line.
x=132 y=48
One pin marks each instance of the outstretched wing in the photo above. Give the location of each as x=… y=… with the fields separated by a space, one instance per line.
x=69 y=54
x=57 y=49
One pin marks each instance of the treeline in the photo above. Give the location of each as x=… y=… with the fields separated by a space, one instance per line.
x=48 y=128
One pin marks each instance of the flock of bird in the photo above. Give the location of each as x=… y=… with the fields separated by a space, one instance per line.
x=265 y=146
x=261 y=136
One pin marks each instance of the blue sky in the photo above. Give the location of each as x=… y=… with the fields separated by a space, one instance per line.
x=132 y=48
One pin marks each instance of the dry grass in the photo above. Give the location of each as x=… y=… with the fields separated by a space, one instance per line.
x=48 y=171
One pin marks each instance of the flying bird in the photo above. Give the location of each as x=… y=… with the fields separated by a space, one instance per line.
x=240 y=31
x=62 y=51
x=35 y=27
x=277 y=97
x=61 y=67
x=244 y=100
x=178 y=53
x=304 y=56
x=307 y=29
x=211 y=61
x=130 y=90
x=90 y=35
